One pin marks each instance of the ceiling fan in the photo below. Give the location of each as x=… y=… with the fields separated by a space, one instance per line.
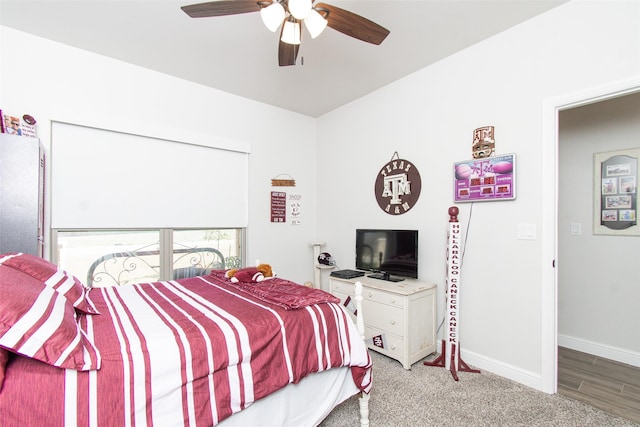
x=290 y=15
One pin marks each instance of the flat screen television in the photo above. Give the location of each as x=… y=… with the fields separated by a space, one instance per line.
x=389 y=254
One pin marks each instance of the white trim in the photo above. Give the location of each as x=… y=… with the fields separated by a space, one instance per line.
x=618 y=354
x=549 y=249
x=165 y=135
x=478 y=361
x=549 y=220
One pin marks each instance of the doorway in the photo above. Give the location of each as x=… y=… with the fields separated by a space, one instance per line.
x=549 y=219
x=597 y=279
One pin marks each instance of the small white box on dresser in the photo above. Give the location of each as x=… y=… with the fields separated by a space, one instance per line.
x=403 y=312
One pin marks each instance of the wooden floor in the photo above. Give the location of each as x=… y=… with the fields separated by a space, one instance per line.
x=611 y=386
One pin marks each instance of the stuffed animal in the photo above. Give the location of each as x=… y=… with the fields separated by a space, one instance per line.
x=265 y=269
x=250 y=274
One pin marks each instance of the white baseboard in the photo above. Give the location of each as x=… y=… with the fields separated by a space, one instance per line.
x=598 y=349
x=522 y=376
x=534 y=379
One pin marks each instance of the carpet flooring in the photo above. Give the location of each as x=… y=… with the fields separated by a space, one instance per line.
x=429 y=396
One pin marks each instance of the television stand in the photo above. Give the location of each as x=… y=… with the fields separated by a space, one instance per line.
x=385 y=276
x=399 y=318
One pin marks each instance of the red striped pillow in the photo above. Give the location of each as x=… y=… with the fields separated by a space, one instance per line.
x=51 y=276
x=40 y=323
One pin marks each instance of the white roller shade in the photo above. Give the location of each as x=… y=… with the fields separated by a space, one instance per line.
x=106 y=179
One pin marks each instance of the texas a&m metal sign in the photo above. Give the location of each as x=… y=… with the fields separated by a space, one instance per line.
x=397 y=186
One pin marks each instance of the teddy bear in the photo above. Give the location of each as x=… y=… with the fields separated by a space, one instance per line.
x=250 y=274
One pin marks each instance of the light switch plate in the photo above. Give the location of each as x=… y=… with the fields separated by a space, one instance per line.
x=576 y=228
x=527 y=232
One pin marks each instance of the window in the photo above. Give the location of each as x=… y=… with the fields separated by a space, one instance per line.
x=117 y=257
x=109 y=217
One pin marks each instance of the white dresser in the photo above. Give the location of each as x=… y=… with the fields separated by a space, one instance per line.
x=402 y=313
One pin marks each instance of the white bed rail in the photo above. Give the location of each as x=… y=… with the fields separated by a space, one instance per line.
x=364 y=397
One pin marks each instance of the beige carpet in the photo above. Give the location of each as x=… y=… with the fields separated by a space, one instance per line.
x=429 y=396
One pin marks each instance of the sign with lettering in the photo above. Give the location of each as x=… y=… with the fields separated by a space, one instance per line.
x=453 y=275
x=295 y=208
x=485 y=179
x=450 y=356
x=278 y=206
x=398 y=186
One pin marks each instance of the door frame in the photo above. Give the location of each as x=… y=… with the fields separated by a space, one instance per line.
x=549 y=236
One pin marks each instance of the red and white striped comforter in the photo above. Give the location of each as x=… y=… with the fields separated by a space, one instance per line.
x=186 y=352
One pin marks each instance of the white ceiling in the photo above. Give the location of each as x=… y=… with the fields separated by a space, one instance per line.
x=237 y=54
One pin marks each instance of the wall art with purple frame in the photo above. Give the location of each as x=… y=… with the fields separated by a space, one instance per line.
x=486 y=179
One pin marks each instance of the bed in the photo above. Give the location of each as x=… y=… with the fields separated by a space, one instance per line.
x=195 y=351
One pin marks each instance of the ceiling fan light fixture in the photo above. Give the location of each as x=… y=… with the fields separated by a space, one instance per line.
x=299 y=8
x=272 y=15
x=315 y=23
x=291 y=32
x=316 y=16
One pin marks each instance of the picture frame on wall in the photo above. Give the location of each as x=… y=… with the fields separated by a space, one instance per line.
x=615 y=193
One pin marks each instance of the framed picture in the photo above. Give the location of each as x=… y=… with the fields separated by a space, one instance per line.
x=485 y=179
x=615 y=196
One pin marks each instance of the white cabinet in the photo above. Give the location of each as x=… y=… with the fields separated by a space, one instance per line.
x=21 y=194
x=402 y=315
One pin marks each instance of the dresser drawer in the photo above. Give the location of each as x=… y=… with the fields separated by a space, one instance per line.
x=368 y=293
x=393 y=345
x=384 y=317
x=383 y=297
x=342 y=287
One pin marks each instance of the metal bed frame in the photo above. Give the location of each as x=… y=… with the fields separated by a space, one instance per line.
x=120 y=268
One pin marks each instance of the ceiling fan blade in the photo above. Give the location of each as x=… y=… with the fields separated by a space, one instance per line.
x=287 y=53
x=354 y=25
x=221 y=8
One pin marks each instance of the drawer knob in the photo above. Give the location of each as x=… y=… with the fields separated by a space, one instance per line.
x=393 y=301
x=369 y=294
x=393 y=347
x=393 y=322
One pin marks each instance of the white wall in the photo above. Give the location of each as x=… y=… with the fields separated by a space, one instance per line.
x=428 y=118
x=598 y=283
x=52 y=81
